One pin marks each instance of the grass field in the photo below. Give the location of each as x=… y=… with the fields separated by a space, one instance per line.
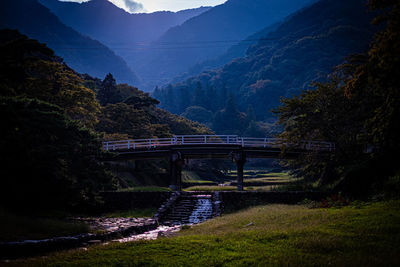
x=145 y=189
x=258 y=180
x=273 y=235
x=210 y=188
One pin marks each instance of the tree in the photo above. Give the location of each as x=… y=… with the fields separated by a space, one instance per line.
x=108 y=93
x=222 y=96
x=124 y=119
x=185 y=98
x=170 y=99
x=229 y=120
x=196 y=113
x=30 y=69
x=377 y=78
x=199 y=97
x=48 y=160
x=357 y=108
x=211 y=98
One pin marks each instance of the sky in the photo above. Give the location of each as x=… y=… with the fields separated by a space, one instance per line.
x=136 y=6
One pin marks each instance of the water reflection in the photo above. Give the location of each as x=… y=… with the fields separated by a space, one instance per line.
x=162 y=230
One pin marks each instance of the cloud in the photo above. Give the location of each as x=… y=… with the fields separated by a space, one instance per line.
x=133 y=6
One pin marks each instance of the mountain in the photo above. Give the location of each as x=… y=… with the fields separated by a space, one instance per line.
x=236 y=51
x=113 y=26
x=304 y=48
x=82 y=53
x=126 y=34
x=208 y=36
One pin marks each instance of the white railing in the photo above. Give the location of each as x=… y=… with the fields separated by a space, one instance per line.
x=182 y=140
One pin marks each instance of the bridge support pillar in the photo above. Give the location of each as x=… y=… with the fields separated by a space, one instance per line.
x=240 y=160
x=176 y=164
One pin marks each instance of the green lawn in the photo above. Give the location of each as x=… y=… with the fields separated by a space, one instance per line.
x=145 y=189
x=273 y=235
x=210 y=188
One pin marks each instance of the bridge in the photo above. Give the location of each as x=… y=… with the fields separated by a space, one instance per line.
x=181 y=147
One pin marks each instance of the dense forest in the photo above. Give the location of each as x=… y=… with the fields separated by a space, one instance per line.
x=54 y=121
x=302 y=49
x=358 y=109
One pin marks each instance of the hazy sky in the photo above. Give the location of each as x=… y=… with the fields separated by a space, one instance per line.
x=157 y=5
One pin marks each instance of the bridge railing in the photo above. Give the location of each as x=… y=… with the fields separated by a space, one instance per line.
x=149 y=144
x=206 y=139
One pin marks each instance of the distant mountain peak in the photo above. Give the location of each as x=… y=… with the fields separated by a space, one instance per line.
x=80 y=52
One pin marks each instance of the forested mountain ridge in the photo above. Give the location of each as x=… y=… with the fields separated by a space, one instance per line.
x=209 y=35
x=82 y=53
x=123 y=32
x=236 y=51
x=302 y=49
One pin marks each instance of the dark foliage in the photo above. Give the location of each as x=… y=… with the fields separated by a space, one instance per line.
x=358 y=109
x=30 y=69
x=48 y=114
x=304 y=48
x=48 y=160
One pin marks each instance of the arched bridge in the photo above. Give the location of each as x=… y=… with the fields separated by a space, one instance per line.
x=237 y=148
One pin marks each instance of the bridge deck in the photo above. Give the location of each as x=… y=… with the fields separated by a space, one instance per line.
x=181 y=147
x=213 y=146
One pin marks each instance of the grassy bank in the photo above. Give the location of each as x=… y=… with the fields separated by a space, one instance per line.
x=273 y=235
x=145 y=189
x=15 y=227
x=210 y=188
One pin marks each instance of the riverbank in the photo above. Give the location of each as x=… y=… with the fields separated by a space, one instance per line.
x=362 y=234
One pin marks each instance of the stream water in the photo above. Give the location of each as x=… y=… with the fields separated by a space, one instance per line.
x=202 y=212
x=161 y=230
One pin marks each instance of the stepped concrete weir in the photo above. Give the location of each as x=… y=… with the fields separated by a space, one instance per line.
x=189 y=208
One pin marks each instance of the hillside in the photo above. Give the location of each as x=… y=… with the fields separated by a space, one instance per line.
x=302 y=49
x=82 y=53
x=53 y=125
x=236 y=51
x=209 y=35
x=123 y=32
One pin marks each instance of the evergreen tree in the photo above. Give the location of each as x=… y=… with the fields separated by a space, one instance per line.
x=211 y=98
x=184 y=98
x=199 y=97
x=222 y=96
x=108 y=93
x=170 y=99
x=231 y=106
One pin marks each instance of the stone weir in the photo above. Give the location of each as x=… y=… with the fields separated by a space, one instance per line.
x=189 y=208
